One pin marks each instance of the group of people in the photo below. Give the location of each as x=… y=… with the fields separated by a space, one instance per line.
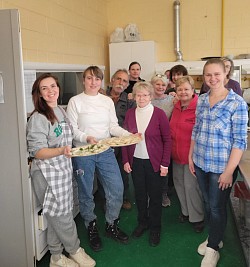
x=195 y=141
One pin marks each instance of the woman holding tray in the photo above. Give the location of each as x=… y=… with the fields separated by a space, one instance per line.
x=93 y=118
x=49 y=138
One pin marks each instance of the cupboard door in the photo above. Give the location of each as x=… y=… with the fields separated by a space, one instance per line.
x=122 y=54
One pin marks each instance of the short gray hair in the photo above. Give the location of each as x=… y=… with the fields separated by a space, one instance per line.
x=139 y=86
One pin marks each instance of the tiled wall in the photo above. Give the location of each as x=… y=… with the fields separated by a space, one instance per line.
x=77 y=31
x=63 y=31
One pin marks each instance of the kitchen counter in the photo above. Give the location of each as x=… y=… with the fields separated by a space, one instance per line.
x=240 y=207
x=244 y=165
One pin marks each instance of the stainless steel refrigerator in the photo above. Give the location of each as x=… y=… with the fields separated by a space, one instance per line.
x=16 y=239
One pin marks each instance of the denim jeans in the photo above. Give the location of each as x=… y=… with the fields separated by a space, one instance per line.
x=110 y=178
x=215 y=203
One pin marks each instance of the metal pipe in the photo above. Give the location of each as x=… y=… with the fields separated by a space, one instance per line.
x=177 y=30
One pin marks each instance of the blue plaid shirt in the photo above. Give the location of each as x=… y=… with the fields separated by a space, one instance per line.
x=217 y=130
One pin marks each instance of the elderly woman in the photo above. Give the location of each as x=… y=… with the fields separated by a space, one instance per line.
x=164 y=102
x=148 y=160
x=181 y=125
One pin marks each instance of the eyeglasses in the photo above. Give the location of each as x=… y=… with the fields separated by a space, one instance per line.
x=160 y=75
x=142 y=96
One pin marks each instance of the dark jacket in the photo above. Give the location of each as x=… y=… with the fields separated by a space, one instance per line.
x=131 y=85
x=122 y=106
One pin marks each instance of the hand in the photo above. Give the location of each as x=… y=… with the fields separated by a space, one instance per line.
x=127 y=168
x=138 y=134
x=67 y=151
x=191 y=166
x=225 y=181
x=163 y=171
x=175 y=99
x=130 y=96
x=91 y=140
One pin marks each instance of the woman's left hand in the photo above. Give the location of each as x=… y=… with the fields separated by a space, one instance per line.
x=225 y=181
x=163 y=171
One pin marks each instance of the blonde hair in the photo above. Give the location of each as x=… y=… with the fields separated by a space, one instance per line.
x=139 y=86
x=185 y=79
x=159 y=77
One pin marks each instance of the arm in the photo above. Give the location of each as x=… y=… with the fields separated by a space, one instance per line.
x=190 y=158
x=167 y=142
x=226 y=178
x=40 y=135
x=46 y=153
x=73 y=114
x=239 y=126
x=114 y=127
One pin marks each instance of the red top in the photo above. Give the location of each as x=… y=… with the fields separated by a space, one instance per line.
x=181 y=126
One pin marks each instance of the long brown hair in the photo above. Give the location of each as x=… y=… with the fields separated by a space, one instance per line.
x=40 y=104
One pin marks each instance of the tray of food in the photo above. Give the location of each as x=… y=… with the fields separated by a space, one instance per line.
x=121 y=141
x=89 y=150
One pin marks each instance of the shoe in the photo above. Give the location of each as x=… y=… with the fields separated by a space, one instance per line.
x=94 y=238
x=211 y=258
x=83 y=259
x=62 y=262
x=165 y=201
x=183 y=218
x=202 y=247
x=199 y=226
x=113 y=231
x=154 y=238
x=126 y=205
x=139 y=230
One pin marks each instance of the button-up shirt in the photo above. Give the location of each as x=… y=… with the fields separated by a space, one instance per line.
x=218 y=130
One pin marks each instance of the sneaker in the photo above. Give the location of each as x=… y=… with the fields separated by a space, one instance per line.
x=202 y=247
x=82 y=258
x=211 y=258
x=139 y=230
x=113 y=231
x=183 y=218
x=198 y=226
x=165 y=201
x=94 y=238
x=126 y=205
x=62 y=262
x=154 y=238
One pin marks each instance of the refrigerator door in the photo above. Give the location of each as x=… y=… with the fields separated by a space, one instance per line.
x=16 y=243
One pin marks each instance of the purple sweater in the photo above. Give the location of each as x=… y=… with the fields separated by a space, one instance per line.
x=157 y=138
x=232 y=84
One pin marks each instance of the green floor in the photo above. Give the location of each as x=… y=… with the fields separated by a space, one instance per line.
x=177 y=248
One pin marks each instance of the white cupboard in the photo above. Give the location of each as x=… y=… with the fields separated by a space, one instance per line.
x=122 y=54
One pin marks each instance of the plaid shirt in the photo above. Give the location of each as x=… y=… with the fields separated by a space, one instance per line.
x=217 y=130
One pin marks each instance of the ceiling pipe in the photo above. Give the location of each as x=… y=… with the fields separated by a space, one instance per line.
x=177 y=30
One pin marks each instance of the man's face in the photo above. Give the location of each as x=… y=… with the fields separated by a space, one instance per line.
x=120 y=82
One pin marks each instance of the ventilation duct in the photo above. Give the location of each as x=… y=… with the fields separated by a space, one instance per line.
x=177 y=30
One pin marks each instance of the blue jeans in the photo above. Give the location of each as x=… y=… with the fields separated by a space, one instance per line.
x=109 y=177
x=215 y=203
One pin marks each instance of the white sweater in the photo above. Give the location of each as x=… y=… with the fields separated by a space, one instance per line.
x=143 y=116
x=93 y=116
